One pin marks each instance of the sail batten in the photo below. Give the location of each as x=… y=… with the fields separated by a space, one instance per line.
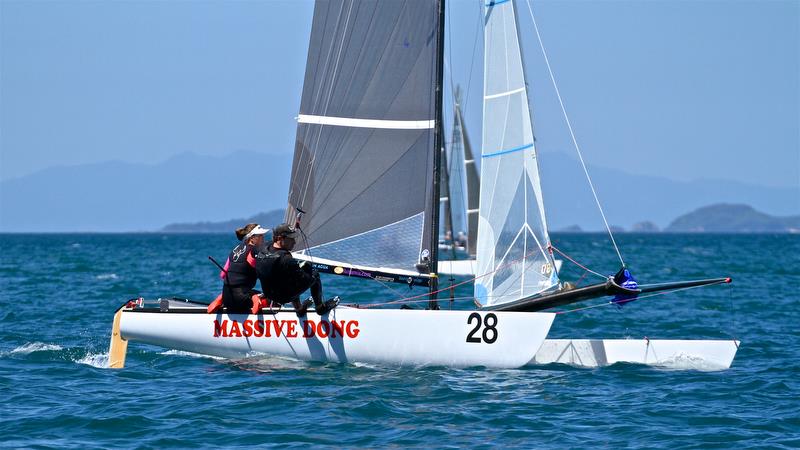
x=512 y=261
x=503 y=94
x=367 y=123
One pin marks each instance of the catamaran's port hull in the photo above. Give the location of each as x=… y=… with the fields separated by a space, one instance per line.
x=401 y=337
x=691 y=354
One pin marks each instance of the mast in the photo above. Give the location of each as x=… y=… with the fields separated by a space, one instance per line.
x=446 y=201
x=438 y=144
x=472 y=179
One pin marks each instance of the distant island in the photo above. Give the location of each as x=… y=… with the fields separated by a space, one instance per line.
x=737 y=218
x=718 y=218
x=267 y=220
x=645 y=227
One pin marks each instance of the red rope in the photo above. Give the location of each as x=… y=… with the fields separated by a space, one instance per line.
x=576 y=262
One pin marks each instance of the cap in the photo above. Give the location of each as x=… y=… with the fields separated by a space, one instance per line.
x=255 y=232
x=284 y=230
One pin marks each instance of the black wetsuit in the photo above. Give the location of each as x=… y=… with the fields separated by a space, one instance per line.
x=240 y=279
x=282 y=278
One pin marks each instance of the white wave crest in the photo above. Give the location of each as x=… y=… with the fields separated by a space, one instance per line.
x=107 y=276
x=34 y=347
x=189 y=354
x=261 y=362
x=99 y=360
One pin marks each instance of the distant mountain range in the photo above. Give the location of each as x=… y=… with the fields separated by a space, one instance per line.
x=189 y=189
x=721 y=218
x=115 y=196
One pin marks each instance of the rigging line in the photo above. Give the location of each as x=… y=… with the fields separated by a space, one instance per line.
x=394 y=302
x=322 y=173
x=572 y=134
x=328 y=97
x=449 y=6
x=375 y=180
x=548 y=257
x=478 y=32
x=642 y=297
x=583 y=275
x=576 y=262
x=469 y=280
x=508 y=84
x=308 y=248
x=317 y=98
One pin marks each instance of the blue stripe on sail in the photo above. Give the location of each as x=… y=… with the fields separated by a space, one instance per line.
x=496 y=2
x=503 y=152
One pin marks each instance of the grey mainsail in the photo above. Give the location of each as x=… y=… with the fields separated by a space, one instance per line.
x=366 y=133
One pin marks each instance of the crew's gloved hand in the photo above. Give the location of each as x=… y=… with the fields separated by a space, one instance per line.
x=306 y=266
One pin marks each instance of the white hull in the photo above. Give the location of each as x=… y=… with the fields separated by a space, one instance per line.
x=466 y=267
x=679 y=354
x=402 y=337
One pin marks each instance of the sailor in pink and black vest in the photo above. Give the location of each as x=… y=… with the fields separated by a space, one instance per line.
x=239 y=274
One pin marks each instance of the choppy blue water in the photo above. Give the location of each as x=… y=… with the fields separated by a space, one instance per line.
x=58 y=294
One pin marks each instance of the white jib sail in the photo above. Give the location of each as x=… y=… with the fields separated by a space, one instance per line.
x=513 y=260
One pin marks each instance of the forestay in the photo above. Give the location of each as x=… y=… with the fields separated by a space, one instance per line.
x=512 y=248
x=365 y=135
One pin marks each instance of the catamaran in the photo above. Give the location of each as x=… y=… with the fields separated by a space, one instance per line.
x=365 y=190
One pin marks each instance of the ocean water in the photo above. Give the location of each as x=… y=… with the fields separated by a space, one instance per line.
x=58 y=294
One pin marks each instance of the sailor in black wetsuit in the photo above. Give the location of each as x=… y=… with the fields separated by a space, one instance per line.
x=283 y=279
x=239 y=274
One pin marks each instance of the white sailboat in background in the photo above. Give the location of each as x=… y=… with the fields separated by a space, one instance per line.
x=365 y=190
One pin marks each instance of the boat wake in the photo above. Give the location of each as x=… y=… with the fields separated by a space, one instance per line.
x=31 y=347
x=189 y=354
x=39 y=351
x=690 y=362
x=259 y=362
x=98 y=360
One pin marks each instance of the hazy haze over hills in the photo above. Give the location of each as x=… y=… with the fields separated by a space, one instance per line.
x=188 y=188
x=116 y=196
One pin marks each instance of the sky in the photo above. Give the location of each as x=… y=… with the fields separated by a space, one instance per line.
x=679 y=89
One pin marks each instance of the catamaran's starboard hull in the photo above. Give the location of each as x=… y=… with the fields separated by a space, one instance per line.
x=678 y=354
x=401 y=337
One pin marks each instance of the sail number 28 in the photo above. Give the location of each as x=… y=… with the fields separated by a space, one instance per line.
x=489 y=324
